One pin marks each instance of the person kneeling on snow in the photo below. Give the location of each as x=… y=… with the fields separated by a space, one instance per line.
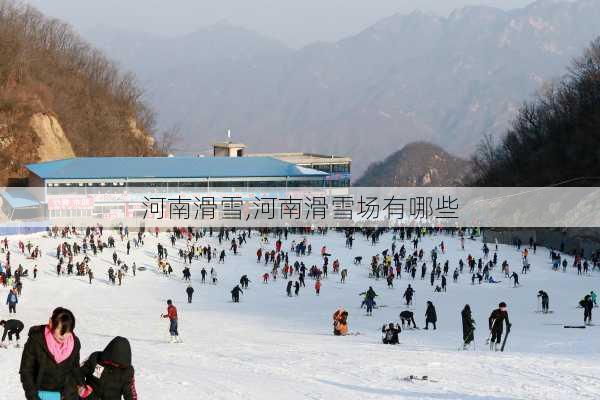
x=390 y=333
x=340 y=322
x=109 y=374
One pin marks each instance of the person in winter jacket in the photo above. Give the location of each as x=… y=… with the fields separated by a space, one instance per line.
x=50 y=359
x=12 y=299
x=11 y=327
x=408 y=317
x=318 y=286
x=190 y=293
x=545 y=300
x=587 y=305
x=235 y=294
x=109 y=374
x=496 y=321
x=390 y=333
x=468 y=325
x=172 y=315
x=340 y=322
x=369 y=299
x=430 y=315
x=408 y=295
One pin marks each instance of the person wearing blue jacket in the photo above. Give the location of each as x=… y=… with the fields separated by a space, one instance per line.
x=12 y=301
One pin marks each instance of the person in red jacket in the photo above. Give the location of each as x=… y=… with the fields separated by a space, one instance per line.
x=172 y=315
x=318 y=286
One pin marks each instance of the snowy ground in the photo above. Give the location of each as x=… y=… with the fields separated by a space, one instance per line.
x=271 y=346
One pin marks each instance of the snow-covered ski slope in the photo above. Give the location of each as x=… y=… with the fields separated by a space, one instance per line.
x=270 y=346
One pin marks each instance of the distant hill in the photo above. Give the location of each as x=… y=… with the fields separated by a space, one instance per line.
x=446 y=80
x=416 y=164
x=554 y=140
x=59 y=97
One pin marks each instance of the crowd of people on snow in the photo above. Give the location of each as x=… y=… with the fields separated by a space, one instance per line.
x=57 y=369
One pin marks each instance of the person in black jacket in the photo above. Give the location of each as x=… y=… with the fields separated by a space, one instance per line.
x=545 y=300
x=50 y=360
x=588 y=305
x=190 y=293
x=496 y=320
x=408 y=317
x=390 y=333
x=11 y=327
x=109 y=374
x=235 y=294
x=468 y=325
x=430 y=315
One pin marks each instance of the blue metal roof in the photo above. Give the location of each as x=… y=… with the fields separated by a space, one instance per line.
x=19 y=198
x=169 y=167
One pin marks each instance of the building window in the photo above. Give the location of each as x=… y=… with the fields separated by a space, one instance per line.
x=341 y=168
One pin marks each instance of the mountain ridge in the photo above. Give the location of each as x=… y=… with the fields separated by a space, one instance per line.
x=448 y=80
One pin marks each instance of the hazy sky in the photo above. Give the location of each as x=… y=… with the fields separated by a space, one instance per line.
x=294 y=22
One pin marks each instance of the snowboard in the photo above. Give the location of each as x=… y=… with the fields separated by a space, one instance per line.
x=574 y=326
x=542 y=312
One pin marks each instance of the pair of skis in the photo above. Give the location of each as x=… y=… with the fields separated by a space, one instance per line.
x=412 y=378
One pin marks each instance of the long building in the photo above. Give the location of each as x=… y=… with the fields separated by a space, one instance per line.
x=230 y=169
x=173 y=173
x=97 y=177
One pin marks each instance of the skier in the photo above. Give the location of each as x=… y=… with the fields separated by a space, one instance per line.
x=408 y=317
x=296 y=288
x=390 y=333
x=203 y=274
x=340 y=322
x=109 y=374
x=235 y=294
x=390 y=281
x=172 y=315
x=369 y=300
x=190 y=292
x=516 y=279
x=545 y=300
x=317 y=286
x=288 y=288
x=587 y=305
x=11 y=327
x=12 y=300
x=468 y=325
x=594 y=298
x=408 y=295
x=430 y=315
x=496 y=320
x=343 y=275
